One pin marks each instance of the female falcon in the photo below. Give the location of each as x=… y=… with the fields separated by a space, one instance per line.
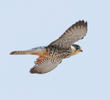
x=53 y=54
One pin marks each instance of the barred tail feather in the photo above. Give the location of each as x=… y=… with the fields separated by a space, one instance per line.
x=34 y=51
x=19 y=52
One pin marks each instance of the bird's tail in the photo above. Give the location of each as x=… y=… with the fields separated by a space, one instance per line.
x=34 y=51
x=20 y=52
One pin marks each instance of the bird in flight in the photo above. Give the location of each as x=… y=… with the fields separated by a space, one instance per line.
x=52 y=55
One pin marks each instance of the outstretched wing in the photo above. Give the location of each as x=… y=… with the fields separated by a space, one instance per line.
x=76 y=32
x=44 y=65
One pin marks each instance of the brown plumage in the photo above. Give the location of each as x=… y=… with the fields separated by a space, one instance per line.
x=52 y=55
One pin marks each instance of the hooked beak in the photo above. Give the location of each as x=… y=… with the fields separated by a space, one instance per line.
x=81 y=50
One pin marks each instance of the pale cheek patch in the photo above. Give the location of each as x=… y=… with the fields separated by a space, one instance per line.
x=73 y=49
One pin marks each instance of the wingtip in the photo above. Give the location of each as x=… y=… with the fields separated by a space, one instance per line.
x=86 y=23
x=34 y=71
x=81 y=22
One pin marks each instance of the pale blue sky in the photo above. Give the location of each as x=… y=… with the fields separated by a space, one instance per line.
x=25 y=24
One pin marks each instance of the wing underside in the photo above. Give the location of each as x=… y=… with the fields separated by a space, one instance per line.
x=44 y=65
x=76 y=32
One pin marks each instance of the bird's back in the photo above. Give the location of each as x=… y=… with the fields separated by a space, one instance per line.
x=59 y=52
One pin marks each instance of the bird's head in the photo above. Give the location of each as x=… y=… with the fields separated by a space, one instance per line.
x=75 y=49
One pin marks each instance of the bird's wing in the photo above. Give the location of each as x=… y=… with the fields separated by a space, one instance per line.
x=44 y=65
x=76 y=32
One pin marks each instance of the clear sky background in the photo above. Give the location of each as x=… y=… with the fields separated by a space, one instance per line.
x=25 y=24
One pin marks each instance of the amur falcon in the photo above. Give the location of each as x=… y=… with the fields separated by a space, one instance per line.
x=53 y=54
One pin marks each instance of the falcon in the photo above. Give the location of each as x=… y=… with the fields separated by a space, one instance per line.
x=52 y=55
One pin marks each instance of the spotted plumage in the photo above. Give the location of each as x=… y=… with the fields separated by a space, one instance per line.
x=53 y=54
x=58 y=52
